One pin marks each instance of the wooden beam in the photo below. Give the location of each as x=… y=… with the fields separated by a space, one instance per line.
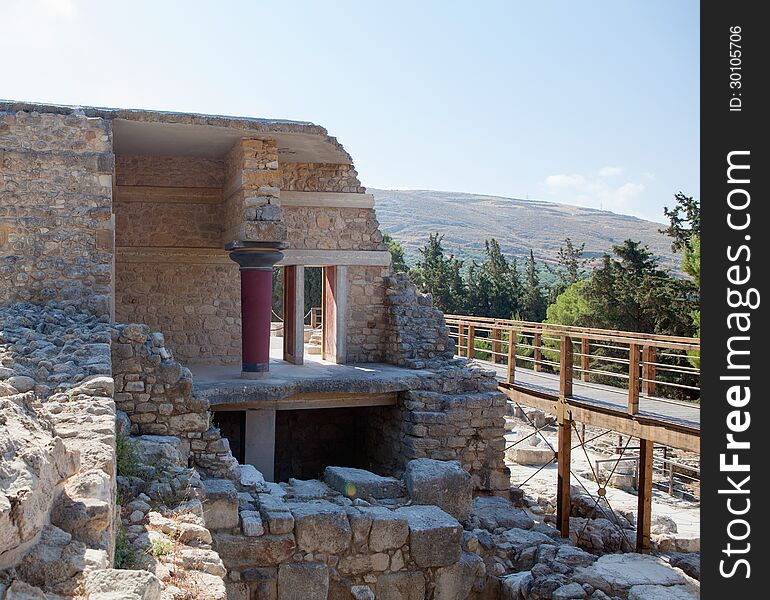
x=661 y=432
x=565 y=367
x=644 y=492
x=471 y=353
x=649 y=371
x=537 y=354
x=585 y=359
x=326 y=200
x=315 y=400
x=563 y=499
x=633 y=379
x=511 y=355
x=495 y=345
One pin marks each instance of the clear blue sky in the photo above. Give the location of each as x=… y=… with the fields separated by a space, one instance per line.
x=591 y=103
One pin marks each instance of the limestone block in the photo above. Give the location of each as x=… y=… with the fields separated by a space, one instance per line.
x=310 y=489
x=435 y=537
x=251 y=523
x=661 y=592
x=55 y=562
x=574 y=557
x=107 y=584
x=530 y=455
x=405 y=585
x=250 y=477
x=442 y=483
x=239 y=552
x=84 y=508
x=20 y=590
x=309 y=581
x=456 y=581
x=321 y=526
x=358 y=483
x=220 y=505
x=624 y=571
x=201 y=559
x=689 y=563
x=361 y=592
x=387 y=531
x=159 y=450
x=516 y=585
x=494 y=512
x=571 y=591
x=262 y=583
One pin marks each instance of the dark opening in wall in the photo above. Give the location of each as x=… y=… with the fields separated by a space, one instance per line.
x=308 y=441
x=232 y=425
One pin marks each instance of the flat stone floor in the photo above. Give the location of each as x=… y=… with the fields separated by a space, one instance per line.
x=222 y=384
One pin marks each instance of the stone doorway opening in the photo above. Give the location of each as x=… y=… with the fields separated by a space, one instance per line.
x=309 y=440
x=309 y=305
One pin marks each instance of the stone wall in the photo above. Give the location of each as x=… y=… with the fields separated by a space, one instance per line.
x=455 y=413
x=320 y=177
x=418 y=335
x=163 y=203
x=332 y=228
x=197 y=306
x=56 y=232
x=252 y=193
x=155 y=391
x=367 y=317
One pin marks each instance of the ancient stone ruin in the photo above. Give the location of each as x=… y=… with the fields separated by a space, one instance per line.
x=165 y=435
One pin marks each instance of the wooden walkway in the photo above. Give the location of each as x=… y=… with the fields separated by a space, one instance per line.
x=565 y=362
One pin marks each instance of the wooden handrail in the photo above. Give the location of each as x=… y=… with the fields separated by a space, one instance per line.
x=668 y=341
x=542 y=346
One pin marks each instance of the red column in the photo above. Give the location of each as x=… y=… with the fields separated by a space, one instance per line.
x=256 y=262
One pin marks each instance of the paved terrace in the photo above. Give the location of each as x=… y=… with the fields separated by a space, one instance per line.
x=315 y=384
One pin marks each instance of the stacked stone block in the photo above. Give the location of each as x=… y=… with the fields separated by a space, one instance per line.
x=418 y=336
x=315 y=228
x=321 y=177
x=456 y=414
x=155 y=391
x=56 y=230
x=252 y=192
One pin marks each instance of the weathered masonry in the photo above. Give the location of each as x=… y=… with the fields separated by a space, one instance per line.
x=177 y=221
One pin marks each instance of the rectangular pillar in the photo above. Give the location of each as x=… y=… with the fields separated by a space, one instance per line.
x=259 y=441
x=644 y=492
x=563 y=499
x=335 y=301
x=294 y=314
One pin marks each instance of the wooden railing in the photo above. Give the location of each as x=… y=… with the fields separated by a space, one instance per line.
x=660 y=366
x=316 y=316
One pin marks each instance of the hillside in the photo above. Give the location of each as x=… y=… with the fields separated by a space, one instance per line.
x=466 y=220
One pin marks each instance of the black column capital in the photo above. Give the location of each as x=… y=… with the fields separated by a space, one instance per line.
x=255 y=254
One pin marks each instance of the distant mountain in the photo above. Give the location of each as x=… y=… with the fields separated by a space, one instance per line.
x=466 y=220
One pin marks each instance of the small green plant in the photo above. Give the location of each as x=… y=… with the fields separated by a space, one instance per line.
x=159 y=547
x=125 y=555
x=125 y=456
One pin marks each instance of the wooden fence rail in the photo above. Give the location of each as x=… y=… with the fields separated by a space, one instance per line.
x=643 y=364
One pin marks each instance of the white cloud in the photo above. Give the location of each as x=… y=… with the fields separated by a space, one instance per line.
x=600 y=190
x=610 y=171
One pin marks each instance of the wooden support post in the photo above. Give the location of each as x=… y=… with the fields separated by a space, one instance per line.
x=460 y=339
x=537 y=354
x=633 y=379
x=644 y=492
x=649 y=354
x=563 y=500
x=585 y=359
x=313 y=318
x=565 y=367
x=471 y=341
x=511 y=355
x=495 y=345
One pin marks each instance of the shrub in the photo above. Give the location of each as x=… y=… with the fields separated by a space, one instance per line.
x=125 y=456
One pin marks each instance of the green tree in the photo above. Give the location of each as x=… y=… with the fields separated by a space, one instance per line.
x=533 y=304
x=397 y=254
x=434 y=273
x=684 y=221
x=571 y=306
